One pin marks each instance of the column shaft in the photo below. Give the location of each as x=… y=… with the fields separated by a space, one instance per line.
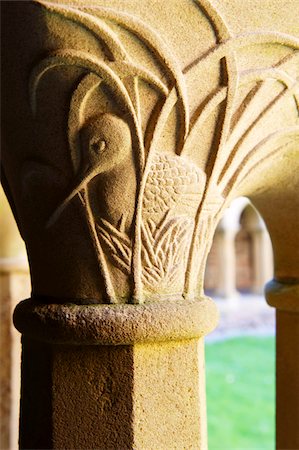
x=143 y=396
x=284 y=296
x=114 y=378
x=227 y=262
x=262 y=260
x=287 y=380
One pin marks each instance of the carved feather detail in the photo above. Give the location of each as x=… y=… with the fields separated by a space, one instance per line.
x=173 y=183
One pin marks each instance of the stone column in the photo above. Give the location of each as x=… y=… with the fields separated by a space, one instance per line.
x=262 y=260
x=226 y=236
x=227 y=262
x=262 y=250
x=129 y=127
x=284 y=296
x=280 y=210
x=117 y=377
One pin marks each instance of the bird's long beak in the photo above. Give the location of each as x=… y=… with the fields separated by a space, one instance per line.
x=58 y=211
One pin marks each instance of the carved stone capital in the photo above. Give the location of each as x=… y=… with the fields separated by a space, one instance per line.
x=125 y=141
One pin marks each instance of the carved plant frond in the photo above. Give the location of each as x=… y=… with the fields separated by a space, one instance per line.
x=262 y=75
x=239 y=41
x=128 y=69
x=240 y=154
x=109 y=288
x=159 y=125
x=243 y=115
x=221 y=29
x=162 y=53
x=93 y=24
x=118 y=243
x=164 y=251
x=229 y=66
x=227 y=159
x=223 y=150
x=212 y=102
x=201 y=115
x=263 y=150
x=215 y=55
x=122 y=62
x=88 y=63
x=86 y=18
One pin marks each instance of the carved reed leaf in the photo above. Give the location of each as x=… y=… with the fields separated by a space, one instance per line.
x=118 y=243
x=97 y=27
x=164 y=251
x=161 y=51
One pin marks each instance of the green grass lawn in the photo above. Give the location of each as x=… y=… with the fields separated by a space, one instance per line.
x=241 y=393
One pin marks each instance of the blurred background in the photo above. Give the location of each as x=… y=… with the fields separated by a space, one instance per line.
x=14 y=286
x=240 y=353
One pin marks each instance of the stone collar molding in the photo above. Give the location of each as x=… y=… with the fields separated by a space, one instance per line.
x=283 y=295
x=117 y=324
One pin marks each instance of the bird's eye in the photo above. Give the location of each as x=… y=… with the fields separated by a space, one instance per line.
x=98 y=146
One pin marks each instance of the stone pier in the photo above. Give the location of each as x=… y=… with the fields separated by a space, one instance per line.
x=128 y=128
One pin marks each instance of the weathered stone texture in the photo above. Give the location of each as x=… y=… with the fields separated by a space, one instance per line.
x=129 y=128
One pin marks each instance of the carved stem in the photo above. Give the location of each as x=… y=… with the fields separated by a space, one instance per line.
x=205 y=225
x=110 y=293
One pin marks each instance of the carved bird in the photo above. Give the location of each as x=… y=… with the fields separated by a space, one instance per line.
x=105 y=143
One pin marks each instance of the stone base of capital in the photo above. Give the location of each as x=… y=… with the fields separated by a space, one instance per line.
x=115 y=324
x=114 y=377
x=283 y=295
